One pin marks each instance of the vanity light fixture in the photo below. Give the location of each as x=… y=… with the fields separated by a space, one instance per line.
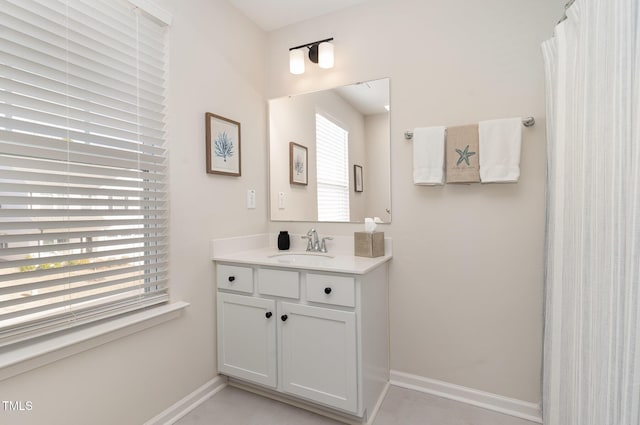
x=320 y=52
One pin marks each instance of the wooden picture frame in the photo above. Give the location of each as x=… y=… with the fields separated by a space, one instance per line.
x=223 y=145
x=298 y=164
x=358 y=183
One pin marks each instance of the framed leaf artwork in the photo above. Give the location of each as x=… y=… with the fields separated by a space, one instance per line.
x=298 y=164
x=223 y=145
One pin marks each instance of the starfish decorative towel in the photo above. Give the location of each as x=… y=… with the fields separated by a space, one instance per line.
x=462 y=154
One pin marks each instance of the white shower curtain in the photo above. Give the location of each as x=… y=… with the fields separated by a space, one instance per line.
x=592 y=310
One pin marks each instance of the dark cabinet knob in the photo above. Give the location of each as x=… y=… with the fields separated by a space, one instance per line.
x=232 y=278
x=284 y=317
x=327 y=290
x=268 y=314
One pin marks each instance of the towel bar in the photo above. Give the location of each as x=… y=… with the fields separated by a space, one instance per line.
x=527 y=122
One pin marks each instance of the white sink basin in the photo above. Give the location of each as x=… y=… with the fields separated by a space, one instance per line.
x=306 y=258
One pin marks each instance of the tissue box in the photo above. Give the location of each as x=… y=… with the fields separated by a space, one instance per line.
x=369 y=244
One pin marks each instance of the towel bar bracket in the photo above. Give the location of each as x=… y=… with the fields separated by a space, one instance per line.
x=527 y=122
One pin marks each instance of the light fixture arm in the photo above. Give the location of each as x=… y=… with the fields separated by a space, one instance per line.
x=309 y=45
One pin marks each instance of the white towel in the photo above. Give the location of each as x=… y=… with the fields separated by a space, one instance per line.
x=428 y=155
x=499 y=148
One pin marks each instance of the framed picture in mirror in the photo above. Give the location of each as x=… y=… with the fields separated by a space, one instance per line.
x=357 y=178
x=223 y=145
x=298 y=164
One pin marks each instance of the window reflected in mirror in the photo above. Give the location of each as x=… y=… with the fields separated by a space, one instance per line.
x=332 y=162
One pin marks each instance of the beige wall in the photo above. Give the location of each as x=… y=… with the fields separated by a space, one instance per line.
x=216 y=65
x=467 y=274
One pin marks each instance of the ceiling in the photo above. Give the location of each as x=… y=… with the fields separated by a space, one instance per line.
x=273 y=14
x=369 y=97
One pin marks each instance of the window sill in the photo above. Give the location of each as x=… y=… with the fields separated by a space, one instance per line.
x=48 y=350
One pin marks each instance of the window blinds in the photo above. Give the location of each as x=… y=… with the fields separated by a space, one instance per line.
x=83 y=197
x=332 y=156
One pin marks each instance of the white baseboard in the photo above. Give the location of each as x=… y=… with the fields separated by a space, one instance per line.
x=371 y=416
x=182 y=407
x=509 y=406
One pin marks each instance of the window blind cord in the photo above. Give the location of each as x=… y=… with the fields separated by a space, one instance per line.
x=68 y=139
x=136 y=11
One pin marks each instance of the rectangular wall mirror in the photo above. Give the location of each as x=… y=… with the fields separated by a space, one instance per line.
x=329 y=154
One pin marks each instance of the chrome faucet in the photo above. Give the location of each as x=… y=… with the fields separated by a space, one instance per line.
x=313 y=241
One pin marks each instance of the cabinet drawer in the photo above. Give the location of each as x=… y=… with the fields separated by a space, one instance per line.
x=235 y=278
x=328 y=289
x=279 y=283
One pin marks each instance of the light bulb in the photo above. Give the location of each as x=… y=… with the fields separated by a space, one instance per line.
x=325 y=55
x=296 y=61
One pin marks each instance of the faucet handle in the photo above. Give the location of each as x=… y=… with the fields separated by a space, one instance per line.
x=309 y=241
x=323 y=246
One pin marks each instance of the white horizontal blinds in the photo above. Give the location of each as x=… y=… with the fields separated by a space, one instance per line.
x=82 y=164
x=332 y=157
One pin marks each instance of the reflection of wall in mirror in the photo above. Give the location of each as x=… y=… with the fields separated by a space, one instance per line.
x=283 y=131
x=377 y=175
x=293 y=119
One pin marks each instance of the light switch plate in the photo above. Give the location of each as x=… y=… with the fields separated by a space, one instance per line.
x=281 y=200
x=251 y=198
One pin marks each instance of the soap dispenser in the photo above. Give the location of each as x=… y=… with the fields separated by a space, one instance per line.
x=283 y=240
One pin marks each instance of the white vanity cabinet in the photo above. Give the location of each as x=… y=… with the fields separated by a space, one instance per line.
x=318 y=336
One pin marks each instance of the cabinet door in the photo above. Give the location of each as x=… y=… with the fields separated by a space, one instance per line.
x=318 y=355
x=246 y=338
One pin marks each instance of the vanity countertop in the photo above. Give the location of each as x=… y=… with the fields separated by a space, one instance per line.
x=260 y=250
x=338 y=262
